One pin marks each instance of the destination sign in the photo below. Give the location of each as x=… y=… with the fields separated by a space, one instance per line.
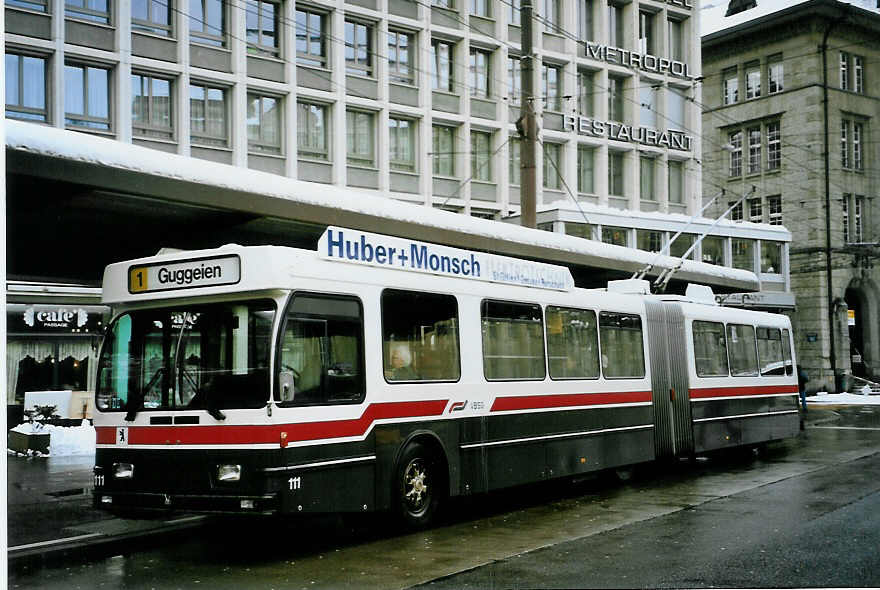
x=348 y=245
x=185 y=274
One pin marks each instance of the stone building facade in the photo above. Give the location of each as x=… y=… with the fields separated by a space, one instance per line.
x=765 y=85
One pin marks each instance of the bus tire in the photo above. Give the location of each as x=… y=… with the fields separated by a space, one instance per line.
x=418 y=486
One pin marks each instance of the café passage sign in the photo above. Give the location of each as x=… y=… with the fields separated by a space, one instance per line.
x=348 y=245
x=69 y=319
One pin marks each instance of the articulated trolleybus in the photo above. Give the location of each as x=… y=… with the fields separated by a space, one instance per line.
x=381 y=373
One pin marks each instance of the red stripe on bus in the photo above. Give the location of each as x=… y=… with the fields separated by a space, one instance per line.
x=271 y=434
x=535 y=402
x=707 y=392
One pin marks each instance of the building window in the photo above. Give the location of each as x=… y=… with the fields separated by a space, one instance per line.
x=675 y=31
x=844 y=143
x=858 y=207
x=441 y=65
x=646 y=179
x=754 y=135
x=479 y=72
x=675 y=108
x=262 y=22
x=647 y=104
x=207 y=22
x=35 y=5
x=743 y=254
x=513 y=15
x=152 y=16
x=774 y=209
x=551 y=78
x=480 y=8
x=552 y=166
x=619 y=236
x=730 y=86
x=551 y=16
x=585 y=19
x=87 y=97
x=151 y=107
x=844 y=70
x=586 y=169
x=615 y=98
x=646 y=33
x=857 y=145
x=358 y=48
x=756 y=214
x=26 y=87
x=615 y=173
x=676 y=181
x=775 y=70
x=401 y=57
x=585 y=93
x=481 y=156
x=443 y=150
x=402 y=144
x=310 y=47
x=771 y=257
x=753 y=81
x=514 y=165
x=443 y=3
x=264 y=124
x=712 y=250
x=774 y=146
x=736 y=213
x=514 y=79
x=96 y=11
x=846 y=218
x=311 y=131
x=735 y=141
x=858 y=74
x=616 y=37
x=649 y=240
x=361 y=138
x=207 y=115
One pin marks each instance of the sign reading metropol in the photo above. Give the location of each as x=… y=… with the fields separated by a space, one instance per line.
x=638 y=61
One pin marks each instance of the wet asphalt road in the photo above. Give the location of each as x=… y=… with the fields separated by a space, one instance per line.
x=804 y=513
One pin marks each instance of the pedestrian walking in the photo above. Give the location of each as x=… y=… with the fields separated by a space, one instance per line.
x=802 y=387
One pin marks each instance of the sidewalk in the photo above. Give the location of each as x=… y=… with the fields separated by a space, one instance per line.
x=49 y=509
x=50 y=513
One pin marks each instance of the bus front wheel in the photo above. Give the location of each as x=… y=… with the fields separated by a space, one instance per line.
x=419 y=486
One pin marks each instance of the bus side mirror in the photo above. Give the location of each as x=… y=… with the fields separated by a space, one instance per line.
x=285 y=381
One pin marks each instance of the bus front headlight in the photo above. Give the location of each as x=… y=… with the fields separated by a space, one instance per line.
x=123 y=470
x=228 y=472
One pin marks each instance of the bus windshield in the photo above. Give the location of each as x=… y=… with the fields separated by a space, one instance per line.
x=207 y=357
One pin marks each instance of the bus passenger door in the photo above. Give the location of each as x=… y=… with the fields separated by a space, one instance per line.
x=673 y=430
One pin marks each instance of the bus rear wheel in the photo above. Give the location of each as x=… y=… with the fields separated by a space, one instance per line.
x=419 y=485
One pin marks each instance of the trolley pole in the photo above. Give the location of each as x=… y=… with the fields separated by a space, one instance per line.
x=526 y=124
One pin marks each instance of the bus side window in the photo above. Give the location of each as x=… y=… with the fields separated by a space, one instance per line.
x=513 y=341
x=419 y=336
x=620 y=339
x=710 y=349
x=742 y=350
x=572 y=343
x=322 y=351
x=770 y=351
x=786 y=352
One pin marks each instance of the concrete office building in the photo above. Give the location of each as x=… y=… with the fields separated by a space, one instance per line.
x=412 y=100
x=766 y=86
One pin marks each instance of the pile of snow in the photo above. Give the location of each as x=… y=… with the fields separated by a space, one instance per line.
x=64 y=440
x=838 y=399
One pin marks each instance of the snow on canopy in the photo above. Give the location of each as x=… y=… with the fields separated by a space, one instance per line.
x=110 y=153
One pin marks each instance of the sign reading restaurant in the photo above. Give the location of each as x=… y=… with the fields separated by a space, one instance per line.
x=638 y=61
x=676 y=140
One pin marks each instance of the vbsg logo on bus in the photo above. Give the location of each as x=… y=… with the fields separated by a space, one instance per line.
x=185 y=274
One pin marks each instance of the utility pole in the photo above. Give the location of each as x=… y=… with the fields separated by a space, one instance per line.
x=527 y=124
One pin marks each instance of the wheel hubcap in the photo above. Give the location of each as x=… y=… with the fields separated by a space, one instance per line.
x=415 y=487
